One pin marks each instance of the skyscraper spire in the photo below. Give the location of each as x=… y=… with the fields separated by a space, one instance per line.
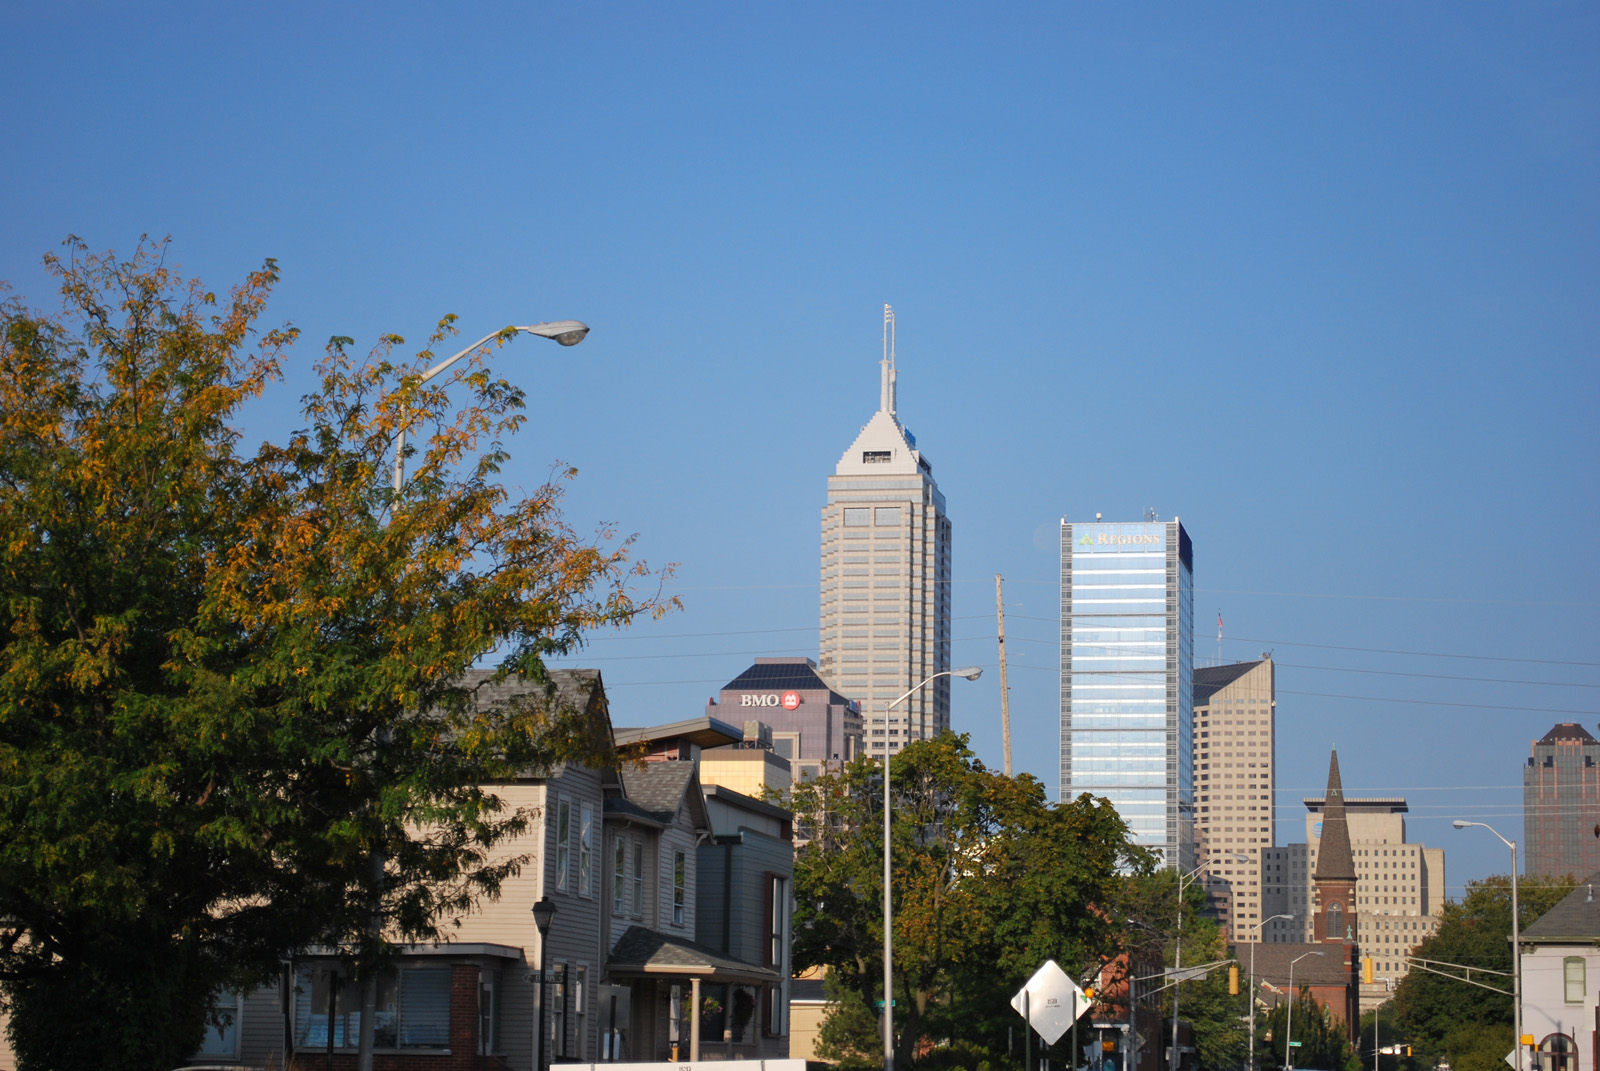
x=886 y=399
x=1335 y=861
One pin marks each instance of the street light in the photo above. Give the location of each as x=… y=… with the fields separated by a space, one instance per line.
x=971 y=673
x=1177 y=949
x=543 y=912
x=1516 y=933
x=1288 y=1041
x=1250 y=1006
x=566 y=332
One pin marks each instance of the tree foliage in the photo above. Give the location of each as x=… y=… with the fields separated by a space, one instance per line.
x=1320 y=1033
x=1451 y=1019
x=231 y=712
x=990 y=880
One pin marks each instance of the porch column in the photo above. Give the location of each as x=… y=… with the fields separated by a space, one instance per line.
x=694 y=1019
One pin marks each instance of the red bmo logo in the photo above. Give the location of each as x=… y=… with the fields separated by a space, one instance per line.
x=791 y=700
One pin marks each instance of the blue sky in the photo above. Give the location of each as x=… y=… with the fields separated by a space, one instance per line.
x=1321 y=280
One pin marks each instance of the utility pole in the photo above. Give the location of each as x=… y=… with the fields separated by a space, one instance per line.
x=1005 y=692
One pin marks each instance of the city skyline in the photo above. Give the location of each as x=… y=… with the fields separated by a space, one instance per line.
x=1318 y=281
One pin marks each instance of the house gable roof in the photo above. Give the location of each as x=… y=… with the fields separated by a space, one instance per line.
x=1575 y=919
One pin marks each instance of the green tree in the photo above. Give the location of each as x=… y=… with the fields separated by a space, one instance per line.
x=990 y=880
x=1451 y=1018
x=230 y=683
x=1320 y=1035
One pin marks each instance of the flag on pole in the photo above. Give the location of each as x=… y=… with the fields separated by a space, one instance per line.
x=1219 y=626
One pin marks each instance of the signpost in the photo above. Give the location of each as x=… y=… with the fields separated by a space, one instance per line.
x=1051 y=1003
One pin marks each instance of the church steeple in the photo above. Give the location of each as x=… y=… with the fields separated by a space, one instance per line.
x=1335 y=874
x=1335 y=861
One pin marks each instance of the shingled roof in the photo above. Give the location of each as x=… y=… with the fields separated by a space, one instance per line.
x=645 y=951
x=1335 y=860
x=660 y=788
x=1576 y=918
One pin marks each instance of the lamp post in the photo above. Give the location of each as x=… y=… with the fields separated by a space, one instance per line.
x=971 y=673
x=1288 y=1041
x=1177 y=948
x=1516 y=933
x=543 y=912
x=566 y=332
x=1250 y=1006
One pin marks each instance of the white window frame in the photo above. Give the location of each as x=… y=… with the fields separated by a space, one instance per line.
x=680 y=887
x=563 y=843
x=586 y=850
x=619 y=875
x=638 y=879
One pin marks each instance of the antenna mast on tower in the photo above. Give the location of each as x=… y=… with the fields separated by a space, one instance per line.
x=887 y=400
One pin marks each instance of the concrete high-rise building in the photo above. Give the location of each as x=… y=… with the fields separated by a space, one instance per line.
x=1234 y=709
x=885 y=621
x=1127 y=677
x=1560 y=802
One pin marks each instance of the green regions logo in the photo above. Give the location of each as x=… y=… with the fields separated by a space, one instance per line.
x=1121 y=539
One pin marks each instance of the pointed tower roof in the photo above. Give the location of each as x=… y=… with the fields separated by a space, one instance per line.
x=1335 y=861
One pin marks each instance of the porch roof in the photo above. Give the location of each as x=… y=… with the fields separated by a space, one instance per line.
x=642 y=952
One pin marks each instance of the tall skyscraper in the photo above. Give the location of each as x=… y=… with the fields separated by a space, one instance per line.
x=885 y=621
x=1560 y=801
x=1233 y=762
x=1127 y=677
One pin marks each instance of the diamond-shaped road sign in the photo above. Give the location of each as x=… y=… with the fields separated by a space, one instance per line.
x=1053 y=1003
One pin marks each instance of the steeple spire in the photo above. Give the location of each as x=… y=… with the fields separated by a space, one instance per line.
x=886 y=399
x=1335 y=861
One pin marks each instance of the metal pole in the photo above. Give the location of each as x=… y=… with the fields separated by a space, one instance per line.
x=1250 y=1009
x=544 y=971
x=1288 y=1040
x=1377 y=1011
x=888 y=921
x=1131 y=1048
x=1177 y=981
x=1005 y=694
x=1027 y=1033
x=1516 y=949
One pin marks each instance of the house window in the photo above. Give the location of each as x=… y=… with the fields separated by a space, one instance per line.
x=558 y=1008
x=580 y=1007
x=586 y=850
x=1574 y=974
x=413 y=1009
x=222 y=1036
x=488 y=1020
x=638 y=879
x=777 y=894
x=619 y=877
x=679 y=891
x=563 y=843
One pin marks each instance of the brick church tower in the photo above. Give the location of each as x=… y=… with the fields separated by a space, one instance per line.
x=1335 y=922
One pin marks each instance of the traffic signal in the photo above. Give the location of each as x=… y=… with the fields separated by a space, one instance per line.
x=1233 y=980
x=1366 y=971
x=1408 y=1050
x=1088 y=992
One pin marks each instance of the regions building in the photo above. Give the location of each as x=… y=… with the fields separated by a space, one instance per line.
x=1560 y=802
x=1234 y=709
x=805 y=721
x=1127 y=677
x=1399 y=891
x=885 y=612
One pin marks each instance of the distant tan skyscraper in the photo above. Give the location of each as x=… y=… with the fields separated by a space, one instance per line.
x=885 y=621
x=1233 y=765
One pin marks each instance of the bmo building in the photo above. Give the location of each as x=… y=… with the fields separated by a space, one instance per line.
x=813 y=726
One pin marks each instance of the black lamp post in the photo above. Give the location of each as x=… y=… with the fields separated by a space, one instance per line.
x=543 y=912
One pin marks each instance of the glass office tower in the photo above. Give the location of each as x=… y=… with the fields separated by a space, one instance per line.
x=1127 y=677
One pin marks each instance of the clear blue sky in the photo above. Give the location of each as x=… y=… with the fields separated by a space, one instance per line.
x=1321 y=280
